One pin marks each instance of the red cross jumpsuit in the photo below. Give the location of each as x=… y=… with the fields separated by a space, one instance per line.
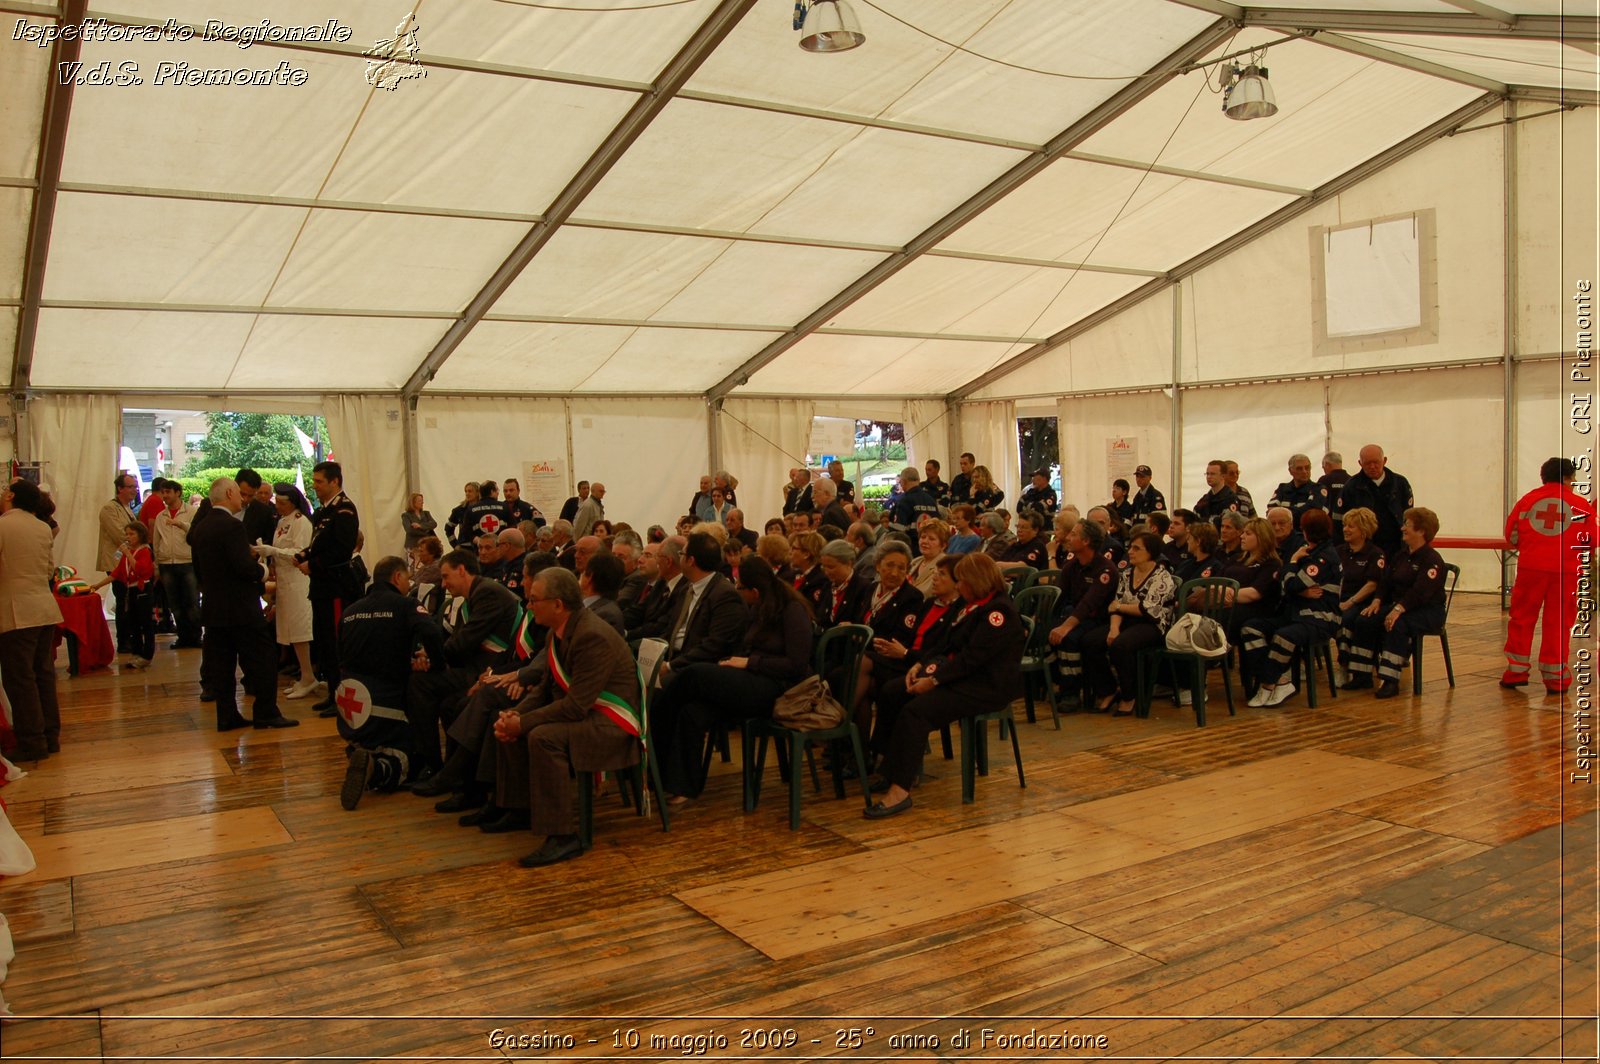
x=1551 y=528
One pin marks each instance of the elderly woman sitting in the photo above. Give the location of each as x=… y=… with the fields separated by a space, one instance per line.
x=978 y=674
x=932 y=536
x=1411 y=601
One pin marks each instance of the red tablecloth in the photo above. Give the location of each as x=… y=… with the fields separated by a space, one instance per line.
x=85 y=617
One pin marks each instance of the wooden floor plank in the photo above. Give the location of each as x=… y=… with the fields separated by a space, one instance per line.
x=82 y=853
x=857 y=896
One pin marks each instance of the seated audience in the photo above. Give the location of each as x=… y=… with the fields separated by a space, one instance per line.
x=1361 y=566
x=774 y=654
x=1257 y=573
x=1087 y=583
x=805 y=554
x=1138 y=616
x=978 y=674
x=844 y=598
x=582 y=717
x=932 y=536
x=997 y=542
x=893 y=654
x=964 y=539
x=1309 y=585
x=1030 y=548
x=1410 y=602
x=600 y=581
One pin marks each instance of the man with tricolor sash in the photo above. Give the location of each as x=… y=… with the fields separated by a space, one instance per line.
x=582 y=717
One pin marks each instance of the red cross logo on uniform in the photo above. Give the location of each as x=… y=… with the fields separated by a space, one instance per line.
x=490 y=524
x=1551 y=518
x=354 y=702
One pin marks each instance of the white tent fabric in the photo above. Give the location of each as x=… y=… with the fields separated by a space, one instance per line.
x=989 y=431
x=927 y=434
x=365 y=434
x=72 y=435
x=761 y=440
x=1086 y=425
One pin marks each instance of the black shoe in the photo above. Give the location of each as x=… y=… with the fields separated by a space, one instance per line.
x=556 y=848
x=489 y=812
x=230 y=723
x=280 y=721
x=30 y=753
x=357 y=778
x=459 y=802
x=438 y=783
x=326 y=708
x=207 y=696
x=879 y=811
x=1361 y=681
x=510 y=820
x=52 y=746
x=1387 y=689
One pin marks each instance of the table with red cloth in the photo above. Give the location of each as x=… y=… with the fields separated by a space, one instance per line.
x=89 y=641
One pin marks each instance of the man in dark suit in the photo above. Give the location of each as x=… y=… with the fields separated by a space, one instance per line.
x=583 y=717
x=600 y=580
x=647 y=617
x=260 y=517
x=708 y=617
x=485 y=626
x=824 y=496
x=230 y=606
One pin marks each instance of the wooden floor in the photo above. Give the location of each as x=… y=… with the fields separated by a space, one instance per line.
x=1413 y=878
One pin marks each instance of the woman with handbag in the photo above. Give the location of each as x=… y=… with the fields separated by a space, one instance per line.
x=776 y=655
x=978 y=675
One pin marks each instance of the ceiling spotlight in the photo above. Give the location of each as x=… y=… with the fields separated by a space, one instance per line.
x=831 y=26
x=1246 y=93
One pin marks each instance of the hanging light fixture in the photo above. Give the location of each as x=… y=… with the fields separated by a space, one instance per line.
x=1246 y=94
x=830 y=26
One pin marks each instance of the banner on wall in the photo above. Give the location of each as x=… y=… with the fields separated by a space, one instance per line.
x=1122 y=458
x=546 y=486
x=833 y=436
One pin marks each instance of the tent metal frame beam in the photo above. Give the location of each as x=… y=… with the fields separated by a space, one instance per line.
x=1564 y=97
x=1340 y=42
x=1383 y=160
x=1120 y=102
x=677 y=72
x=47 y=178
x=1442 y=24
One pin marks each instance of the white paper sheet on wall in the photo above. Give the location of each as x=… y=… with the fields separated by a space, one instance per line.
x=1373 y=278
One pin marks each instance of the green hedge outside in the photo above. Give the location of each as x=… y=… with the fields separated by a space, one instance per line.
x=875 y=491
x=201 y=483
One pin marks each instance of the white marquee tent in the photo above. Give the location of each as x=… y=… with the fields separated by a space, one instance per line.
x=650 y=237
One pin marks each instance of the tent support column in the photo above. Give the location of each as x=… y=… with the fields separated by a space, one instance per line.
x=19 y=425
x=952 y=434
x=408 y=426
x=1175 y=418
x=713 y=427
x=1508 y=488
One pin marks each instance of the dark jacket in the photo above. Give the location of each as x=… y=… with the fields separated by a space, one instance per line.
x=231 y=579
x=716 y=627
x=485 y=627
x=782 y=651
x=377 y=635
x=985 y=647
x=1388 y=501
x=333 y=543
x=260 y=521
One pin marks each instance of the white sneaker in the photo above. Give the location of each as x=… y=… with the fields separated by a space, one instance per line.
x=1280 y=694
x=1185 y=697
x=1260 y=697
x=1341 y=676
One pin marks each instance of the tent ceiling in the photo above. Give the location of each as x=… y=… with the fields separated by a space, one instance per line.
x=628 y=200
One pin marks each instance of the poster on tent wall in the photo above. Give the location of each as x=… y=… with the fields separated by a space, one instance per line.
x=1122 y=458
x=545 y=486
x=832 y=436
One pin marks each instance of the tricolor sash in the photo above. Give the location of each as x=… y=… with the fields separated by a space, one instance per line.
x=493 y=643
x=613 y=706
x=525 y=627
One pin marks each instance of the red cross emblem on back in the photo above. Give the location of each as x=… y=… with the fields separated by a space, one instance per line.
x=1550 y=518
x=489 y=524
x=354 y=702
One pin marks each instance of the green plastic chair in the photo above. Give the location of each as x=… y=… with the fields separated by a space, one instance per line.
x=636 y=775
x=1037 y=605
x=1018 y=578
x=1217 y=605
x=841 y=647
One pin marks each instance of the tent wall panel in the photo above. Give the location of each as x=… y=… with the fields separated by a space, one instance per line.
x=366 y=433
x=1133 y=349
x=1442 y=429
x=1558 y=185
x=649 y=453
x=461 y=439
x=24 y=77
x=1259 y=426
x=1085 y=424
x=1544 y=427
x=1251 y=313
x=76 y=437
x=989 y=431
x=760 y=440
